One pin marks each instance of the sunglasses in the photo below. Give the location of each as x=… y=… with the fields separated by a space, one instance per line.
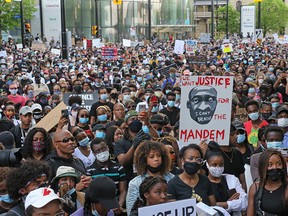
x=67 y=139
x=129 y=107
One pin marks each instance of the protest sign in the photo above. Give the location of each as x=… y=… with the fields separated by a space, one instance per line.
x=109 y=53
x=165 y=70
x=38 y=46
x=126 y=43
x=19 y=46
x=56 y=52
x=3 y=53
x=185 y=207
x=96 y=43
x=179 y=47
x=226 y=48
x=205 y=38
x=199 y=59
x=87 y=99
x=52 y=118
x=207 y=110
x=191 y=46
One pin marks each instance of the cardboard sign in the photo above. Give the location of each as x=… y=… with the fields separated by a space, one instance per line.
x=241 y=114
x=179 y=47
x=207 y=110
x=200 y=59
x=109 y=53
x=87 y=99
x=191 y=46
x=52 y=118
x=185 y=207
x=38 y=46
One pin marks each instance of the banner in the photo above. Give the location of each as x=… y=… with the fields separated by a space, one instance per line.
x=199 y=59
x=185 y=207
x=109 y=53
x=87 y=99
x=247 y=20
x=206 y=112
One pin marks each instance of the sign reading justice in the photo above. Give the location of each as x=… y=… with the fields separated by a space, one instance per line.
x=206 y=109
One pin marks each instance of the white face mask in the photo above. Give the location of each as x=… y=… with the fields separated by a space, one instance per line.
x=103 y=156
x=282 y=122
x=215 y=171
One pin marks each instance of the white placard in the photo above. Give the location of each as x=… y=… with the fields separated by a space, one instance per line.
x=3 y=53
x=206 y=112
x=56 y=52
x=188 y=207
x=285 y=39
x=96 y=43
x=179 y=46
x=258 y=34
x=19 y=46
x=126 y=43
x=247 y=20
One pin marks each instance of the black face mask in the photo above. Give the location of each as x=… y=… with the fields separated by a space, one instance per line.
x=114 y=95
x=154 y=169
x=77 y=88
x=191 y=167
x=135 y=126
x=275 y=174
x=265 y=116
x=245 y=92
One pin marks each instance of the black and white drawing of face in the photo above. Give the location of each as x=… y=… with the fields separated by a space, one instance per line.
x=202 y=103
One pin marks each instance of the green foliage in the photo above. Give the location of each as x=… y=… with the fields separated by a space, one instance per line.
x=233 y=19
x=274 y=16
x=9 y=10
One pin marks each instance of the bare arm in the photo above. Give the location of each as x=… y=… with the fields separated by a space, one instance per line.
x=123 y=193
x=125 y=159
x=243 y=181
x=252 y=191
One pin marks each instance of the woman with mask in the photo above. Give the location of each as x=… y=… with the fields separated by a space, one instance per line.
x=104 y=166
x=152 y=191
x=64 y=184
x=190 y=184
x=113 y=134
x=151 y=159
x=269 y=196
x=102 y=116
x=82 y=121
x=9 y=113
x=29 y=92
x=83 y=151
x=37 y=145
x=227 y=189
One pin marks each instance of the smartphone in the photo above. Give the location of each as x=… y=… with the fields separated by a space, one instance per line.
x=63 y=189
x=231 y=192
x=65 y=113
x=142 y=108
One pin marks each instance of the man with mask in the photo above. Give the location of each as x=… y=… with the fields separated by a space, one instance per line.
x=282 y=122
x=242 y=99
x=77 y=87
x=265 y=110
x=37 y=113
x=170 y=110
x=252 y=126
x=42 y=99
x=274 y=136
x=281 y=85
x=172 y=79
x=40 y=86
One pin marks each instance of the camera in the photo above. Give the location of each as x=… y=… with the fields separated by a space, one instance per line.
x=11 y=157
x=284 y=152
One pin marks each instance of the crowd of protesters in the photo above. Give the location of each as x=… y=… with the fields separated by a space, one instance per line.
x=123 y=153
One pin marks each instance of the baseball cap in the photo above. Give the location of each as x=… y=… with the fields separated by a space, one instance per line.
x=103 y=189
x=238 y=125
x=130 y=114
x=157 y=87
x=25 y=110
x=160 y=119
x=149 y=90
x=75 y=106
x=65 y=171
x=281 y=109
x=41 y=197
x=98 y=127
x=36 y=106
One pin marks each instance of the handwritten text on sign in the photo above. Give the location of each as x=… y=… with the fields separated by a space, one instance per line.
x=207 y=101
x=179 y=208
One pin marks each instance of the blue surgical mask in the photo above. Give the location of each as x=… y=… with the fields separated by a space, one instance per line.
x=155 y=109
x=95 y=213
x=100 y=134
x=172 y=76
x=145 y=129
x=6 y=198
x=103 y=97
x=171 y=104
x=139 y=79
x=102 y=118
x=178 y=97
x=57 y=92
x=275 y=105
x=159 y=133
x=251 y=90
x=274 y=144
x=133 y=76
x=241 y=138
x=70 y=192
x=83 y=120
x=270 y=69
x=84 y=142
x=254 y=116
x=167 y=91
x=263 y=61
x=245 y=62
x=30 y=93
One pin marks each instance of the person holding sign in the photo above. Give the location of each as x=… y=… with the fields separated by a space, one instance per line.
x=190 y=184
x=152 y=191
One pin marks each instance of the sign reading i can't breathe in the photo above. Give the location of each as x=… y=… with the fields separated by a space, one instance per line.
x=179 y=208
x=206 y=110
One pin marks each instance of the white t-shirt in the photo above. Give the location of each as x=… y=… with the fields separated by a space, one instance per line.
x=88 y=161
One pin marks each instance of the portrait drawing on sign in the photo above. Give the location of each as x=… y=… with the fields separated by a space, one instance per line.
x=202 y=103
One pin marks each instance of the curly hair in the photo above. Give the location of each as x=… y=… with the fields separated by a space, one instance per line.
x=142 y=152
x=3 y=173
x=18 y=178
x=145 y=187
x=28 y=147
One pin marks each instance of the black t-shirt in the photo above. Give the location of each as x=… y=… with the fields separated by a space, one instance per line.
x=173 y=116
x=236 y=167
x=282 y=89
x=179 y=190
x=220 y=190
x=99 y=103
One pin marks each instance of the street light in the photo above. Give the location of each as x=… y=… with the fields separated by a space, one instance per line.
x=227 y=36
x=63 y=31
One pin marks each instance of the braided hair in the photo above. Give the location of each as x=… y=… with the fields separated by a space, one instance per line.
x=145 y=187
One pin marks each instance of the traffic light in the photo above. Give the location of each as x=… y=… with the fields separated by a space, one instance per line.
x=27 y=27
x=94 y=30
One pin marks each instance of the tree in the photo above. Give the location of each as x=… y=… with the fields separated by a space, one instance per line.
x=274 y=16
x=10 y=13
x=233 y=19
